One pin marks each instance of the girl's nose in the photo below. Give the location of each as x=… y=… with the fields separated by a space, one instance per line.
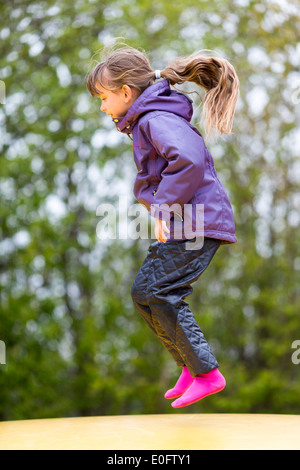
x=103 y=108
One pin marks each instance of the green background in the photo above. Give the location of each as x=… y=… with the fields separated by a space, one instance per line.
x=75 y=346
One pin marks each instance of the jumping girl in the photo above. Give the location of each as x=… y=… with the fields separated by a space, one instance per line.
x=176 y=176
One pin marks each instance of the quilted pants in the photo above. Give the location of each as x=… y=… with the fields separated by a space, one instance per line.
x=158 y=292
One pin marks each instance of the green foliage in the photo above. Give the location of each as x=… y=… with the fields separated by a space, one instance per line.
x=74 y=343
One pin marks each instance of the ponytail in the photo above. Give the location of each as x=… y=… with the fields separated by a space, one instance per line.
x=220 y=81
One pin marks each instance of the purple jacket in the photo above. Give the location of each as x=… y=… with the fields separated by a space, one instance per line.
x=176 y=175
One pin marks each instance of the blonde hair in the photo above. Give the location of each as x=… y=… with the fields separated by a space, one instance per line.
x=216 y=75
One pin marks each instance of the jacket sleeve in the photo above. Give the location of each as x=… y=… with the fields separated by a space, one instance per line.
x=184 y=149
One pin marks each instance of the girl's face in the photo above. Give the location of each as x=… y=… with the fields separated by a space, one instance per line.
x=116 y=103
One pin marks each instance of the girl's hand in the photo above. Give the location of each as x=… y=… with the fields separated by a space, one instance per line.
x=160 y=228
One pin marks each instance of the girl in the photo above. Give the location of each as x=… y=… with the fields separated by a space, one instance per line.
x=176 y=180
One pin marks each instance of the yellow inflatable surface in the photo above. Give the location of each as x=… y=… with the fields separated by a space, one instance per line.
x=159 y=432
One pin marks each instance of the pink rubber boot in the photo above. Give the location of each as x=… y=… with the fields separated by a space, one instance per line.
x=182 y=384
x=202 y=386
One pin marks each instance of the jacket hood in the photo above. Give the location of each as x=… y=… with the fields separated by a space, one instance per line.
x=157 y=97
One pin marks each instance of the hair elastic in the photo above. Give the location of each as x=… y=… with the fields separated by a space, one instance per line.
x=157 y=74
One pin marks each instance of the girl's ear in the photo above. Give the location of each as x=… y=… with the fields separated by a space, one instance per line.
x=127 y=93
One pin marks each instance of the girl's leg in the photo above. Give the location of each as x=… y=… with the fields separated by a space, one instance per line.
x=139 y=296
x=172 y=271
